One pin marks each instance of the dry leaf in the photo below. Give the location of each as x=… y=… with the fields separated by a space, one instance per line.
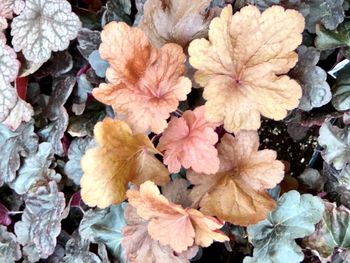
x=168 y=219
x=120 y=158
x=190 y=141
x=243 y=65
x=139 y=247
x=175 y=21
x=237 y=192
x=146 y=83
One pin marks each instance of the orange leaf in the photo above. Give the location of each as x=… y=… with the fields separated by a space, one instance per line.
x=146 y=83
x=120 y=158
x=177 y=21
x=139 y=247
x=190 y=141
x=168 y=219
x=237 y=192
x=243 y=65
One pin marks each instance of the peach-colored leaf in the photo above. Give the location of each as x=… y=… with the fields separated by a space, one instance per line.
x=242 y=66
x=146 y=83
x=237 y=192
x=176 y=21
x=167 y=220
x=120 y=157
x=139 y=247
x=190 y=141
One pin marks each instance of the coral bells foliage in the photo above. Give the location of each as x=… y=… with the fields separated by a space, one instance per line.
x=237 y=192
x=189 y=141
x=242 y=66
x=146 y=83
x=167 y=220
x=120 y=157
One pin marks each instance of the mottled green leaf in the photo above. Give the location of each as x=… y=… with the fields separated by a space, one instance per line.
x=332 y=232
x=330 y=39
x=335 y=142
x=274 y=238
x=105 y=226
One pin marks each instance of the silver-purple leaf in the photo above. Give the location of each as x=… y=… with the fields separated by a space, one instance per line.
x=41 y=222
x=43 y=27
x=13 y=145
x=36 y=168
x=10 y=250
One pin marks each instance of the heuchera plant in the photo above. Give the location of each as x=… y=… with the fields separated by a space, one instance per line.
x=169 y=131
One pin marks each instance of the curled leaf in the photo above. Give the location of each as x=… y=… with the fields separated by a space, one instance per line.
x=10 y=250
x=41 y=222
x=336 y=145
x=13 y=145
x=105 y=226
x=43 y=27
x=76 y=150
x=331 y=232
x=341 y=94
x=146 y=83
x=238 y=191
x=273 y=238
x=139 y=247
x=175 y=21
x=35 y=169
x=121 y=157
x=167 y=219
x=312 y=79
x=242 y=66
x=190 y=141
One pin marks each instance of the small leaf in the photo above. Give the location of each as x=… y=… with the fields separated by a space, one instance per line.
x=54 y=132
x=43 y=27
x=117 y=10
x=166 y=219
x=22 y=112
x=312 y=79
x=335 y=142
x=41 y=221
x=35 y=169
x=328 y=12
x=139 y=247
x=76 y=150
x=341 y=93
x=175 y=21
x=330 y=39
x=10 y=250
x=177 y=192
x=83 y=89
x=13 y=145
x=89 y=41
x=190 y=141
x=331 y=232
x=98 y=64
x=77 y=251
x=105 y=226
x=274 y=238
x=312 y=179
